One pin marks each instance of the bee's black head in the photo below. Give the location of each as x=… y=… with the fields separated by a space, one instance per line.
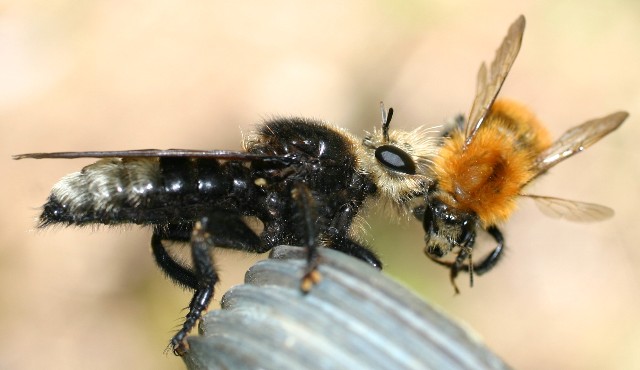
x=446 y=227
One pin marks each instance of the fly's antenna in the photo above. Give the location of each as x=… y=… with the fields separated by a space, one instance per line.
x=386 y=120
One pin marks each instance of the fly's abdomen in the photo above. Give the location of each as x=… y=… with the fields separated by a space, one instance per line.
x=141 y=190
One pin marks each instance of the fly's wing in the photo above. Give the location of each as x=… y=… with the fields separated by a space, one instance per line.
x=578 y=139
x=142 y=153
x=488 y=86
x=571 y=210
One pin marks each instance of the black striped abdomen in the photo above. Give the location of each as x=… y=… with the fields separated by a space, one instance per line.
x=144 y=191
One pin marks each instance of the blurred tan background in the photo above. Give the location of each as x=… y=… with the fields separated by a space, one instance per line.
x=109 y=75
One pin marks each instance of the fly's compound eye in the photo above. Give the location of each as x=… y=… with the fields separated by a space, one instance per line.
x=395 y=159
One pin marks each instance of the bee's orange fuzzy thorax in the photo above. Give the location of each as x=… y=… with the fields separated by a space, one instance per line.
x=486 y=176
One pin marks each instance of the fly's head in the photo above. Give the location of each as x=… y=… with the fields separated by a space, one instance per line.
x=398 y=161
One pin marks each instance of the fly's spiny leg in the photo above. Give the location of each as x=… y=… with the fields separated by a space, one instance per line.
x=174 y=270
x=306 y=214
x=206 y=277
x=337 y=237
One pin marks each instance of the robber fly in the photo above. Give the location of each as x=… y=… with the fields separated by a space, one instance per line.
x=305 y=181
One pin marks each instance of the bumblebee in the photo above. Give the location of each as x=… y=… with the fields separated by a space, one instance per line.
x=484 y=163
x=304 y=180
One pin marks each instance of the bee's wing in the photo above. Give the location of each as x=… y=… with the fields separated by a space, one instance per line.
x=215 y=154
x=578 y=139
x=488 y=87
x=570 y=209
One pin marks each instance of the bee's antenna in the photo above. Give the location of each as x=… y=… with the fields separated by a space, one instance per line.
x=470 y=270
x=386 y=120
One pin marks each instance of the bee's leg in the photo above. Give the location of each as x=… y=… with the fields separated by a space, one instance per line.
x=338 y=239
x=454 y=267
x=479 y=268
x=306 y=217
x=458 y=265
x=492 y=259
x=465 y=254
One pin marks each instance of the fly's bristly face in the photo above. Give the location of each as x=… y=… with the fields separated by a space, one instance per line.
x=483 y=164
x=399 y=162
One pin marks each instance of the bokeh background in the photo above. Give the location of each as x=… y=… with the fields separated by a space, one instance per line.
x=107 y=75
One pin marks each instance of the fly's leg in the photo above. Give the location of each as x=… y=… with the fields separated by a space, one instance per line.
x=335 y=237
x=226 y=230
x=181 y=275
x=306 y=218
x=338 y=239
x=205 y=278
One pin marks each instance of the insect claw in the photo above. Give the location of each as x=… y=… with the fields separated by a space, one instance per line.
x=180 y=348
x=455 y=286
x=310 y=279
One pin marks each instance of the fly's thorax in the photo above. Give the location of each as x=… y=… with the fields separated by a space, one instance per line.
x=308 y=138
x=322 y=155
